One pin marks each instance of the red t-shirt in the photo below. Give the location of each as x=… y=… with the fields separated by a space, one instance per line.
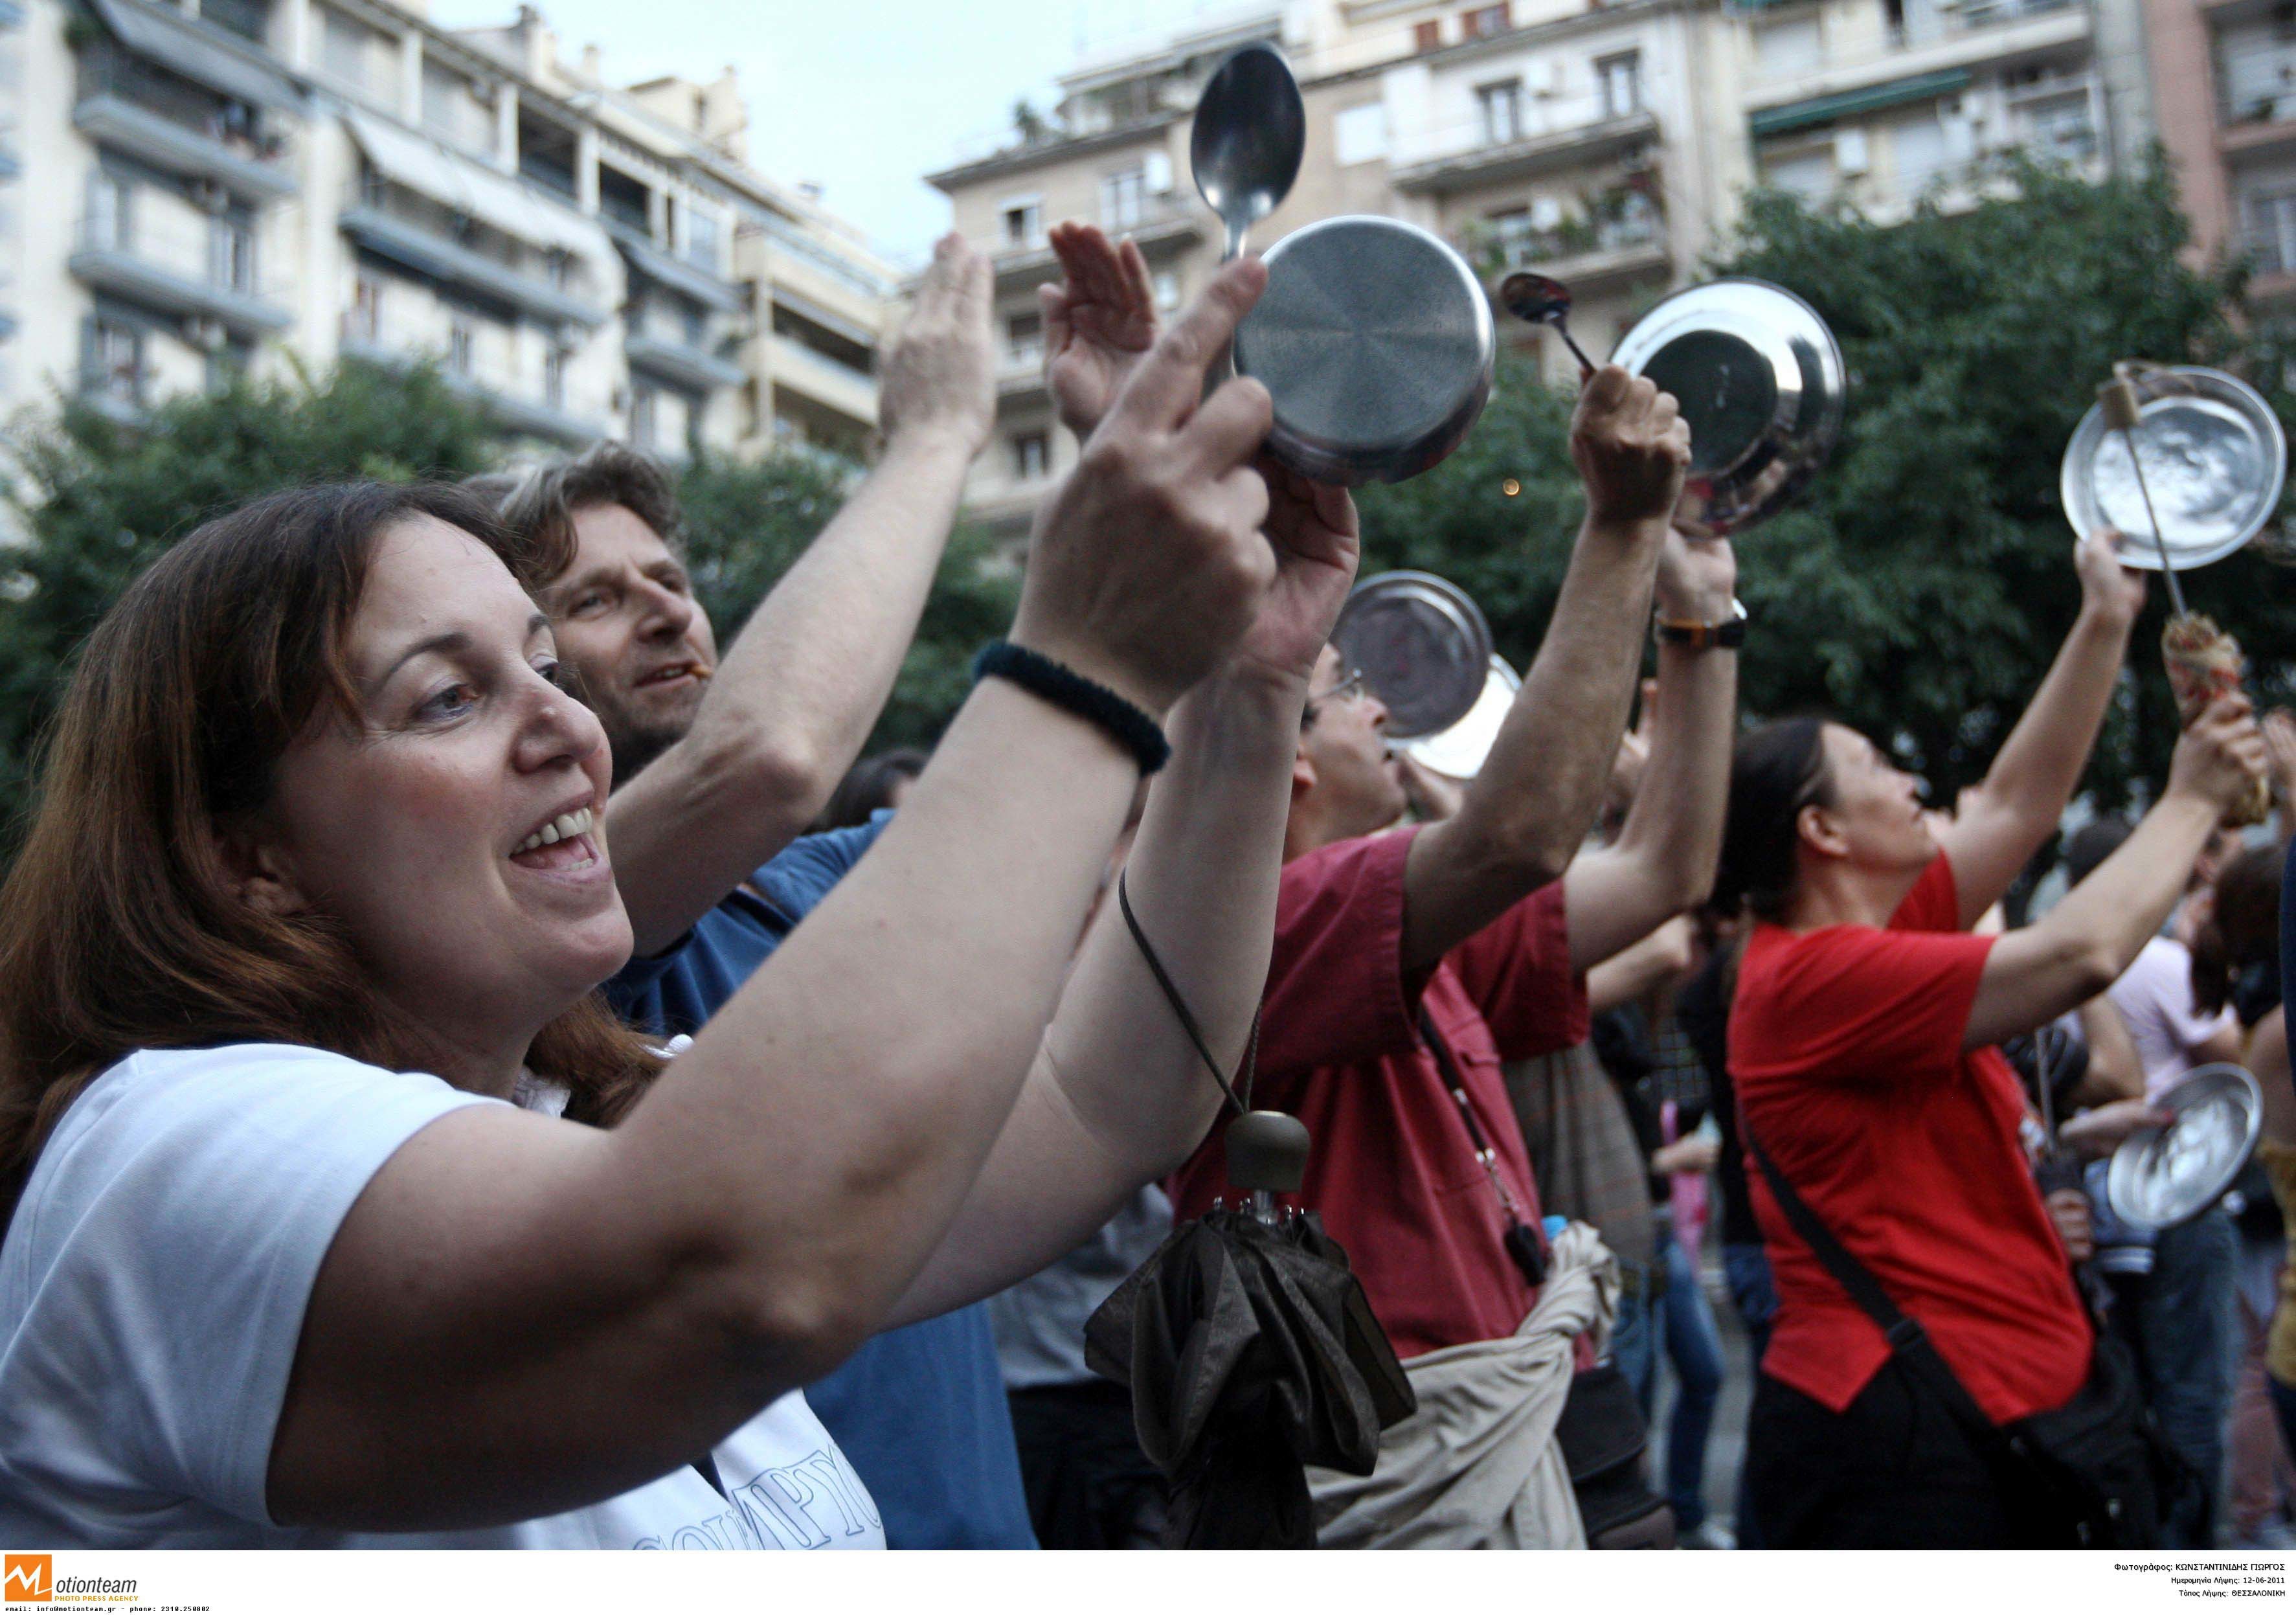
x=1392 y=1169
x=1845 y=1045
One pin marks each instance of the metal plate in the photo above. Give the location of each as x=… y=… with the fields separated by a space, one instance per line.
x=1760 y=378
x=1458 y=751
x=2161 y=1176
x=2215 y=458
x=1422 y=646
x=1374 y=338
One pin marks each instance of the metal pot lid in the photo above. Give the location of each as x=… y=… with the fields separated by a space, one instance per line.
x=1761 y=380
x=1375 y=340
x=2164 y=1175
x=2215 y=458
x=1422 y=648
x=1458 y=751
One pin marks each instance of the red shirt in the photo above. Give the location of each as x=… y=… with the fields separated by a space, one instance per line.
x=1845 y=1045
x=1392 y=1170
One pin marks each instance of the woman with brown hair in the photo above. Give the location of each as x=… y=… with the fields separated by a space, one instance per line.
x=318 y=882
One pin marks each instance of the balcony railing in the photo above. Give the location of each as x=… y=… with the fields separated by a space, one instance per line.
x=1501 y=246
x=179 y=131
x=682 y=363
x=418 y=244
x=788 y=238
x=211 y=274
x=826 y=380
x=502 y=394
x=1541 y=133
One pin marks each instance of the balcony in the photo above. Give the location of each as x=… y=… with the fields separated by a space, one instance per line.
x=1579 y=134
x=120 y=116
x=788 y=238
x=498 y=395
x=189 y=273
x=1165 y=225
x=1944 y=40
x=1626 y=238
x=427 y=251
x=851 y=392
x=681 y=363
x=688 y=280
x=199 y=50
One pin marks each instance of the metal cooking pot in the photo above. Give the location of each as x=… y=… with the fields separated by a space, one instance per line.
x=1458 y=753
x=1375 y=340
x=1422 y=646
x=1761 y=380
x=2161 y=1176
x=2215 y=458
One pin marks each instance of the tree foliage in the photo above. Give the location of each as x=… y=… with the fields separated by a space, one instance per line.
x=1919 y=589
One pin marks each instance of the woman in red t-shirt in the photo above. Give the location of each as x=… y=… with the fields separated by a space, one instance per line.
x=1861 y=1040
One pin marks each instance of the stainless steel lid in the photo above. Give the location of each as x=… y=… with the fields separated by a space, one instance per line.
x=1761 y=380
x=2161 y=1176
x=1375 y=340
x=1458 y=751
x=1421 y=645
x=2215 y=457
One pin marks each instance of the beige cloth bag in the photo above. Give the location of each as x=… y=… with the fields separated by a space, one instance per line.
x=1477 y=1466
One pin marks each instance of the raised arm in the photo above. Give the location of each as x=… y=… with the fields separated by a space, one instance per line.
x=2001 y=823
x=2081 y=946
x=799 y=691
x=1119 y=1095
x=521 y=1315
x=1524 y=817
x=1663 y=861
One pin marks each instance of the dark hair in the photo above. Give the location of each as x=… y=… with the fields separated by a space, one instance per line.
x=869 y=785
x=540 y=504
x=2244 y=926
x=2091 y=845
x=1777 y=770
x=121 y=928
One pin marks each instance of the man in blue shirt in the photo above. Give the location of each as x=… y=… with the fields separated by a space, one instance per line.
x=711 y=796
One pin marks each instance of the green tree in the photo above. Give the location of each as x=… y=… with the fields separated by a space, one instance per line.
x=747 y=521
x=1920 y=586
x=97 y=502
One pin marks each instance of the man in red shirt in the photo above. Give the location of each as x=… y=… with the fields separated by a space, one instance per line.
x=1861 y=1043
x=1471 y=926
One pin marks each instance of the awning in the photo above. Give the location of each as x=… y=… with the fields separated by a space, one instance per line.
x=1829 y=109
x=695 y=281
x=194 y=51
x=477 y=192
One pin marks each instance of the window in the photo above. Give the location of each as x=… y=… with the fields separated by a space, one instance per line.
x=2059 y=128
x=1808 y=174
x=1501 y=105
x=1621 y=78
x=1167 y=288
x=693 y=327
x=1787 y=50
x=366 y=309
x=645 y=409
x=2256 y=69
x=1032 y=454
x=1121 y=197
x=357 y=55
x=553 y=375
x=1484 y=20
x=231 y=255
x=2271 y=218
x=1359 y=134
x=1427 y=36
x=1024 y=338
x=110 y=213
x=703 y=235
x=1024 y=223
x=458 y=344
x=114 y=361
x=1919 y=147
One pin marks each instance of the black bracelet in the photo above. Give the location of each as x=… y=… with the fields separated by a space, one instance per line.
x=1042 y=676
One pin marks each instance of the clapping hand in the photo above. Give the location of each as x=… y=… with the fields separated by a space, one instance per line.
x=1099 y=323
x=939 y=377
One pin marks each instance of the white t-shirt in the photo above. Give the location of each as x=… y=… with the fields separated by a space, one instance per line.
x=153 y=1286
x=2155 y=997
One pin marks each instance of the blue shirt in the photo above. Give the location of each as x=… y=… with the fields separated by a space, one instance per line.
x=920 y=1412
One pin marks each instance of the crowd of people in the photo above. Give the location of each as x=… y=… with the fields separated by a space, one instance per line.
x=478 y=1067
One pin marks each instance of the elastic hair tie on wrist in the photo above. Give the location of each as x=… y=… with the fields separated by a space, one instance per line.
x=1041 y=677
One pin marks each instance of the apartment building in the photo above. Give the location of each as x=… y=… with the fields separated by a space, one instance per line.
x=2224 y=93
x=1533 y=132
x=223 y=183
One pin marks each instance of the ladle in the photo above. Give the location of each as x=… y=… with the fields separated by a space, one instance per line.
x=1543 y=301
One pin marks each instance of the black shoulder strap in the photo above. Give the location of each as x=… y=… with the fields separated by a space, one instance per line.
x=1908 y=1341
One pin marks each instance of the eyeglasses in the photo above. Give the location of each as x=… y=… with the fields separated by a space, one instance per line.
x=1349 y=690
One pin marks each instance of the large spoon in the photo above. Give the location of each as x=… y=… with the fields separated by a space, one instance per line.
x=1543 y=301
x=1250 y=130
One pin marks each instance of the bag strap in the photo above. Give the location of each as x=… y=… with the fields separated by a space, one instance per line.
x=1909 y=1342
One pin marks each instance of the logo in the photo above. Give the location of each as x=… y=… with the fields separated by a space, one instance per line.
x=28 y=1579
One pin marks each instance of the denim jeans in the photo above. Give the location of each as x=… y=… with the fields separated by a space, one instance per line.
x=2186 y=1334
x=1747 y=1268
x=1633 y=1344
x=1693 y=1346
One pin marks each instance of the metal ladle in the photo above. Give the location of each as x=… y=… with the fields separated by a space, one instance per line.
x=1543 y=301
x=1250 y=130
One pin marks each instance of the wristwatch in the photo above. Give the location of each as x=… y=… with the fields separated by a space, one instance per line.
x=1727 y=635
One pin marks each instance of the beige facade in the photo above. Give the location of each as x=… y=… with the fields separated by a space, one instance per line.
x=2223 y=77
x=223 y=184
